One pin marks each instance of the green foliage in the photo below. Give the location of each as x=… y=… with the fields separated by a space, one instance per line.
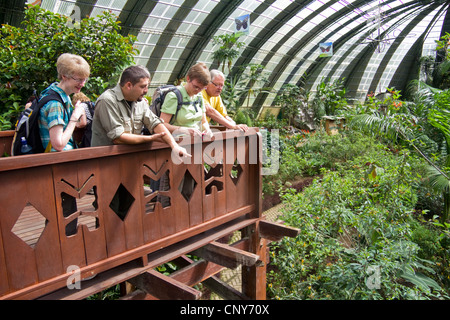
x=292 y=99
x=112 y=293
x=441 y=72
x=443 y=44
x=329 y=98
x=249 y=83
x=228 y=49
x=307 y=154
x=356 y=231
x=439 y=116
x=252 y=82
x=28 y=55
x=410 y=124
x=231 y=94
x=243 y=116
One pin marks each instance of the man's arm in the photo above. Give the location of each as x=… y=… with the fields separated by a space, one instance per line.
x=160 y=134
x=130 y=138
x=225 y=121
x=172 y=128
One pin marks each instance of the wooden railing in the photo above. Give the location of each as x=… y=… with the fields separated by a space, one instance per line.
x=6 y=138
x=116 y=220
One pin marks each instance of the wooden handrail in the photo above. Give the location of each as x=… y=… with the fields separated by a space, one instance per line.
x=39 y=186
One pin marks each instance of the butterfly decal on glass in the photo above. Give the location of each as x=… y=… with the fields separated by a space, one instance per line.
x=241 y=23
x=326 y=49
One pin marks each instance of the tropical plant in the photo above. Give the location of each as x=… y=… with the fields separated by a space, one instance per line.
x=328 y=99
x=427 y=68
x=442 y=46
x=228 y=49
x=441 y=72
x=439 y=178
x=356 y=229
x=28 y=54
x=231 y=94
x=253 y=79
x=399 y=124
x=293 y=100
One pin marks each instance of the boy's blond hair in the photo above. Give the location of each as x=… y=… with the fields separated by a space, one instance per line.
x=71 y=64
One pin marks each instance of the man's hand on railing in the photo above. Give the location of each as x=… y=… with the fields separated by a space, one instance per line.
x=242 y=127
x=179 y=154
x=207 y=133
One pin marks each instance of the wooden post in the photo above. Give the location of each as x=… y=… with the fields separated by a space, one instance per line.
x=254 y=277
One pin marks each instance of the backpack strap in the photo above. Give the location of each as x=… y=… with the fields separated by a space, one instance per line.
x=54 y=96
x=182 y=103
x=179 y=105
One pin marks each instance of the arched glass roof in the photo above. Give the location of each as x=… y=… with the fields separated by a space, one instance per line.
x=375 y=44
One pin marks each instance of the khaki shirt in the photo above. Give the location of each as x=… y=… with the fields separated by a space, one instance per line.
x=113 y=116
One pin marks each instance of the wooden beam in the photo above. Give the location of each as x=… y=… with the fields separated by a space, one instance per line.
x=254 y=277
x=193 y=272
x=275 y=232
x=164 y=287
x=138 y=294
x=226 y=255
x=223 y=289
x=133 y=268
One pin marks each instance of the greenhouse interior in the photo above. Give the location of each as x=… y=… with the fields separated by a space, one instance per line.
x=349 y=101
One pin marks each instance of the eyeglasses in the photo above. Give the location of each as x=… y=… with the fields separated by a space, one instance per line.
x=197 y=88
x=80 y=80
x=217 y=85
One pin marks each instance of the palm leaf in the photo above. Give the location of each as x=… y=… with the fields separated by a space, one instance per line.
x=437 y=180
x=377 y=123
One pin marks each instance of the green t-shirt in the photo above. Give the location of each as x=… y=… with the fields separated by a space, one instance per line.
x=189 y=115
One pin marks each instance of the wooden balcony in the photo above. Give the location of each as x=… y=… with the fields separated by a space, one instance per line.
x=123 y=229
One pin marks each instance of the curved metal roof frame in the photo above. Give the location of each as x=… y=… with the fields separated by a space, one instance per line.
x=354 y=72
x=285 y=36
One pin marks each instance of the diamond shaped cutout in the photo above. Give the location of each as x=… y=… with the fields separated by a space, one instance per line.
x=121 y=202
x=236 y=171
x=30 y=225
x=187 y=186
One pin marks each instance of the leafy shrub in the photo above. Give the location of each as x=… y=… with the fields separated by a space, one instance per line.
x=329 y=98
x=306 y=154
x=28 y=55
x=356 y=233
